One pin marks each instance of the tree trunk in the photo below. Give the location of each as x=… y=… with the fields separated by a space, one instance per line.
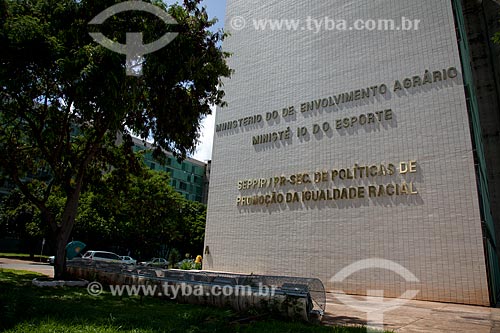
x=63 y=233
x=60 y=261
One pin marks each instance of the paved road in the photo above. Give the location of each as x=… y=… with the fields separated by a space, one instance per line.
x=24 y=265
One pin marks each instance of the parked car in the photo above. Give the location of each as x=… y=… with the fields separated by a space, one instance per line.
x=128 y=260
x=102 y=256
x=156 y=262
x=51 y=260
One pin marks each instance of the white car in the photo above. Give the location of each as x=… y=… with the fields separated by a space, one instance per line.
x=128 y=260
x=102 y=256
x=52 y=259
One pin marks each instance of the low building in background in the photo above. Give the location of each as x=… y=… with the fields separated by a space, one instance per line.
x=188 y=177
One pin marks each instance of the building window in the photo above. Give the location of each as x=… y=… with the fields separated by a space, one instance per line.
x=174 y=183
x=169 y=161
x=182 y=186
x=152 y=166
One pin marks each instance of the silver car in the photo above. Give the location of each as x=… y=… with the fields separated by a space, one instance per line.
x=103 y=256
x=128 y=260
x=156 y=262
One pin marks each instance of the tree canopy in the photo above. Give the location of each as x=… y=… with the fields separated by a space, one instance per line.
x=142 y=214
x=64 y=98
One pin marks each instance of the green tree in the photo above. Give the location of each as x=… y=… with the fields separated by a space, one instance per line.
x=154 y=214
x=194 y=216
x=64 y=98
x=139 y=212
x=94 y=225
x=143 y=208
x=21 y=218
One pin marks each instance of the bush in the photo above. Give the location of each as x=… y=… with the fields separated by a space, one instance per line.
x=188 y=264
x=174 y=256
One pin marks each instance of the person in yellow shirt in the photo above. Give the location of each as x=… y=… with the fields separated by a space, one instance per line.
x=198 y=261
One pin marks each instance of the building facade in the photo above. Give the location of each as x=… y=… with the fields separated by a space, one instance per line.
x=188 y=177
x=344 y=146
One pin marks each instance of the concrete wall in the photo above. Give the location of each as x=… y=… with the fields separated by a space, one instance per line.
x=435 y=234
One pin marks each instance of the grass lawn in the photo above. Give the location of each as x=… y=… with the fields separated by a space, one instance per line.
x=24 y=308
x=22 y=256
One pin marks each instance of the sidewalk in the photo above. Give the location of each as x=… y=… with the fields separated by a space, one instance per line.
x=413 y=316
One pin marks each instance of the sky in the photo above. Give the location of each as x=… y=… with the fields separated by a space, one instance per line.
x=215 y=8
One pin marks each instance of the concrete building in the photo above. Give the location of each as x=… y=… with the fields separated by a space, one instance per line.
x=361 y=146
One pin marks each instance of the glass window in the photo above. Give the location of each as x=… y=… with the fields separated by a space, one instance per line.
x=182 y=186
x=107 y=256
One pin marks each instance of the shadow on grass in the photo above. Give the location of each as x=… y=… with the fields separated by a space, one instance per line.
x=25 y=308
x=28 y=308
x=17 y=278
